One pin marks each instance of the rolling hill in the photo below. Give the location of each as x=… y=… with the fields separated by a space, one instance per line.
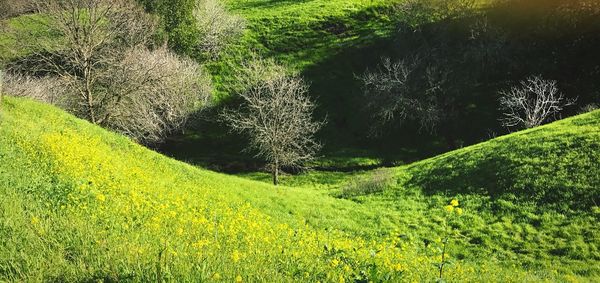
x=83 y=204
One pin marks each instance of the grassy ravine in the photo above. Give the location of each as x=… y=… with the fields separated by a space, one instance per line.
x=80 y=204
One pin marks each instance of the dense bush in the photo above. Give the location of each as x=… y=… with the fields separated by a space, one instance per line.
x=177 y=21
x=42 y=89
x=157 y=91
x=197 y=28
x=217 y=27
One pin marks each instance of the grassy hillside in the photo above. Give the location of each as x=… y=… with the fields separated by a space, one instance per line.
x=82 y=204
x=19 y=35
x=533 y=196
x=555 y=165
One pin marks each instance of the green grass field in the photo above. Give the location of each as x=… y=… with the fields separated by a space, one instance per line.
x=80 y=203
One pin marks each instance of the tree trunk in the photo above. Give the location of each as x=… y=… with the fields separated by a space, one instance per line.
x=276 y=173
x=90 y=107
x=88 y=93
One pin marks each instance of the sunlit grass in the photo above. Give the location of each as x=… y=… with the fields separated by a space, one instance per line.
x=80 y=203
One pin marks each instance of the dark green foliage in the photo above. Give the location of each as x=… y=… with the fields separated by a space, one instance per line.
x=177 y=20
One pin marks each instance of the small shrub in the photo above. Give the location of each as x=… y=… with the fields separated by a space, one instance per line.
x=373 y=183
x=41 y=89
x=589 y=108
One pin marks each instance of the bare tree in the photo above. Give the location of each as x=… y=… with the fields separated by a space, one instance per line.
x=217 y=26
x=155 y=92
x=532 y=103
x=389 y=88
x=95 y=34
x=104 y=70
x=403 y=90
x=277 y=116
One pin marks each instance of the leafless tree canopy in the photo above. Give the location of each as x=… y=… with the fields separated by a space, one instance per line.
x=532 y=103
x=217 y=26
x=11 y=8
x=405 y=89
x=42 y=89
x=103 y=70
x=154 y=92
x=277 y=116
x=95 y=36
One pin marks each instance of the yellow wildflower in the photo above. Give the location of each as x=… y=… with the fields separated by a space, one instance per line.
x=398 y=267
x=235 y=256
x=454 y=202
x=449 y=208
x=335 y=262
x=238 y=279
x=101 y=197
x=216 y=276
x=459 y=211
x=35 y=220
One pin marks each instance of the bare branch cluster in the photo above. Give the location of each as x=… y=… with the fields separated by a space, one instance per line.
x=11 y=8
x=217 y=26
x=47 y=89
x=95 y=36
x=389 y=86
x=154 y=92
x=532 y=103
x=405 y=90
x=277 y=116
x=106 y=72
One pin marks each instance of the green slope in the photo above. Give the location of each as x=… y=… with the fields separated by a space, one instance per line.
x=533 y=196
x=535 y=193
x=555 y=165
x=79 y=203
